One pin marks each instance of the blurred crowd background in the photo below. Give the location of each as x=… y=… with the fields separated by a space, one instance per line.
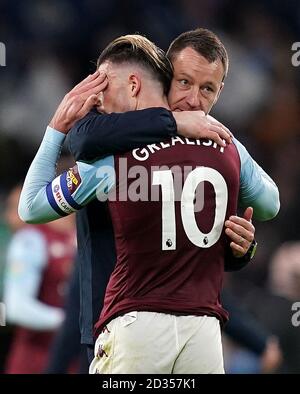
x=51 y=45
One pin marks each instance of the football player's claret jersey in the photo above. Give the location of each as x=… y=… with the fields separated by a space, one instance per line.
x=168 y=223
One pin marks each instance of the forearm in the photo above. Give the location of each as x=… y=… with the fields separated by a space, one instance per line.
x=45 y=197
x=257 y=189
x=265 y=202
x=98 y=135
x=264 y=197
x=33 y=205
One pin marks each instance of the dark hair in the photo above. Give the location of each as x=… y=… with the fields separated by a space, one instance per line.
x=134 y=48
x=203 y=41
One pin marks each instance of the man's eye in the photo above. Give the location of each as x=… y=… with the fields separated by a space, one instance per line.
x=183 y=82
x=208 y=89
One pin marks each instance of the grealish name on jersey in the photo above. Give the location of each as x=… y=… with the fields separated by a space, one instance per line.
x=144 y=153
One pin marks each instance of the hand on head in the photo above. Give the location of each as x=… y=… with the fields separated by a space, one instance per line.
x=79 y=101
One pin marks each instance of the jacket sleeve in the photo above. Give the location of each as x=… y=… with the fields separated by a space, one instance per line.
x=100 y=135
x=235 y=263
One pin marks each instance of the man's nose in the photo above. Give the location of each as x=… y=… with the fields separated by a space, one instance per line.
x=193 y=100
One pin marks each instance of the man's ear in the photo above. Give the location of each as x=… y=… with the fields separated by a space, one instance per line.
x=134 y=85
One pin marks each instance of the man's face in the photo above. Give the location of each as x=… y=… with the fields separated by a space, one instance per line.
x=196 y=83
x=115 y=97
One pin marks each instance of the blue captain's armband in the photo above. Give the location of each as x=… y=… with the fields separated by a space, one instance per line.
x=70 y=191
x=45 y=197
x=59 y=192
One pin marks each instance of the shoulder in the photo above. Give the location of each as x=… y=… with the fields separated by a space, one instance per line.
x=242 y=151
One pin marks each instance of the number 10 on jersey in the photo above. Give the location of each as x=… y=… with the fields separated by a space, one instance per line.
x=164 y=178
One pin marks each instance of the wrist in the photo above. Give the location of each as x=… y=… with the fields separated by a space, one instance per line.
x=248 y=256
x=233 y=263
x=177 y=117
x=63 y=128
x=54 y=136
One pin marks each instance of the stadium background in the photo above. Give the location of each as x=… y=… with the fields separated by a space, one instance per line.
x=51 y=45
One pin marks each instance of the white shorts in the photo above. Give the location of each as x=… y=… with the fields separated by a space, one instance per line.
x=158 y=343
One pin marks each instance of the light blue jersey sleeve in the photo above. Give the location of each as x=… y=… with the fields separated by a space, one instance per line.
x=257 y=189
x=45 y=197
x=26 y=260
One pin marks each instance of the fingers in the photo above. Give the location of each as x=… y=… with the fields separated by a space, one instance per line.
x=215 y=122
x=241 y=222
x=212 y=135
x=239 y=234
x=94 y=90
x=87 y=79
x=88 y=85
x=81 y=104
x=91 y=101
x=239 y=245
x=76 y=105
x=215 y=134
x=237 y=250
x=248 y=214
x=93 y=84
x=80 y=99
x=221 y=132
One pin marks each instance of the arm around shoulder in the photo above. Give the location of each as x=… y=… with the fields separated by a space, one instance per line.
x=99 y=135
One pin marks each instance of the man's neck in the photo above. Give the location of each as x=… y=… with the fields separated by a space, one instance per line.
x=153 y=101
